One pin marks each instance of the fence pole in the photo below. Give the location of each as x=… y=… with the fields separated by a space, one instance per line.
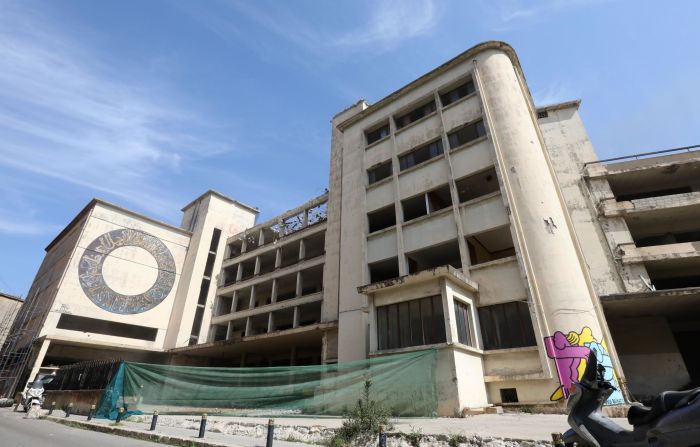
x=382 y=436
x=154 y=420
x=53 y=405
x=202 y=425
x=270 y=432
x=91 y=413
x=69 y=409
x=120 y=415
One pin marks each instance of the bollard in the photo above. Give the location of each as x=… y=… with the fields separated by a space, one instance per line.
x=120 y=415
x=154 y=420
x=382 y=436
x=557 y=440
x=53 y=405
x=270 y=432
x=69 y=409
x=202 y=425
x=91 y=413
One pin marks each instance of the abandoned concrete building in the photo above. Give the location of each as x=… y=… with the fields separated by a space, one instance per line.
x=458 y=217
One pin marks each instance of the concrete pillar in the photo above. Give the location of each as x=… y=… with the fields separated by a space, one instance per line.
x=302 y=250
x=239 y=271
x=300 y=283
x=295 y=318
x=270 y=323
x=256 y=269
x=39 y=359
x=248 y=326
x=278 y=258
x=234 y=301
x=251 y=303
x=556 y=271
x=273 y=294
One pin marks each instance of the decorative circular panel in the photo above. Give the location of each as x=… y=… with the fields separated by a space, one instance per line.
x=93 y=282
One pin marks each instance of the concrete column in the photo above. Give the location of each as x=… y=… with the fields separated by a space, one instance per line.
x=302 y=249
x=234 y=301
x=278 y=258
x=248 y=326
x=251 y=303
x=295 y=318
x=557 y=275
x=270 y=323
x=273 y=294
x=300 y=283
x=239 y=271
x=256 y=269
x=41 y=353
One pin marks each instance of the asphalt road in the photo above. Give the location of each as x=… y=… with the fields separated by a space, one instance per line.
x=18 y=432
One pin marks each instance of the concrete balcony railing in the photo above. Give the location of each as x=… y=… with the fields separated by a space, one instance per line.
x=613 y=208
x=630 y=253
x=267 y=308
x=499 y=281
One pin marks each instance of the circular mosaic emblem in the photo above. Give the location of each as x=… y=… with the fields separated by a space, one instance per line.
x=93 y=282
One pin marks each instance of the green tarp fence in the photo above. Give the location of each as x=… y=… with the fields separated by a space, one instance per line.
x=405 y=383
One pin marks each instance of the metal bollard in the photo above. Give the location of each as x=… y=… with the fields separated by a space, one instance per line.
x=270 y=432
x=91 y=413
x=382 y=436
x=69 y=409
x=557 y=440
x=53 y=405
x=120 y=415
x=202 y=425
x=154 y=420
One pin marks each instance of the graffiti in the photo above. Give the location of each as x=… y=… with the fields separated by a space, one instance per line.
x=570 y=353
x=97 y=290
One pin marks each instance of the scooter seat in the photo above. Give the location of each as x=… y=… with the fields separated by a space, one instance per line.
x=663 y=403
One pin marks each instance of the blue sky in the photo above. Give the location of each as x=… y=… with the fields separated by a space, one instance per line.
x=148 y=104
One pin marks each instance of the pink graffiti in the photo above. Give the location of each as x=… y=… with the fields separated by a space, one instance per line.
x=567 y=358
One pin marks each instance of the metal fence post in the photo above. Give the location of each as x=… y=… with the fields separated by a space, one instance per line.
x=53 y=405
x=91 y=413
x=120 y=415
x=270 y=432
x=382 y=436
x=69 y=409
x=154 y=420
x=202 y=425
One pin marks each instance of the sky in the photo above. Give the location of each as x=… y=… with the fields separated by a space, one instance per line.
x=149 y=104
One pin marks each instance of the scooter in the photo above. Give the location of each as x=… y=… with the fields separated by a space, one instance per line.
x=672 y=420
x=33 y=396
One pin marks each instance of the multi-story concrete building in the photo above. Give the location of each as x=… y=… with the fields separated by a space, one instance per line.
x=9 y=305
x=459 y=217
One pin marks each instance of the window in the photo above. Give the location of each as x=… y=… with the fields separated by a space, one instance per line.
x=379 y=172
x=411 y=323
x=414 y=115
x=477 y=185
x=542 y=114
x=457 y=93
x=506 y=325
x=381 y=270
x=377 y=134
x=105 y=327
x=465 y=134
x=421 y=154
x=509 y=395
x=463 y=317
x=381 y=218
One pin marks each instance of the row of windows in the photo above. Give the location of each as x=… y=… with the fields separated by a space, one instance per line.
x=421 y=322
x=468 y=188
x=423 y=153
x=382 y=131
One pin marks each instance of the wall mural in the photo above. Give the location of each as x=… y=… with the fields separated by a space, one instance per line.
x=570 y=353
x=95 y=287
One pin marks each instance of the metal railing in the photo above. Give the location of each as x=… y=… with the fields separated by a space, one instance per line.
x=644 y=155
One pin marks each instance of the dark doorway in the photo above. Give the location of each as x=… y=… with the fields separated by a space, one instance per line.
x=688 y=342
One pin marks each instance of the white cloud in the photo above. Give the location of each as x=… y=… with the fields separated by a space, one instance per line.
x=508 y=14
x=554 y=92
x=66 y=115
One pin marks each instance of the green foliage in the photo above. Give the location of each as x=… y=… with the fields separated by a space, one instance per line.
x=363 y=421
x=456 y=440
x=414 y=437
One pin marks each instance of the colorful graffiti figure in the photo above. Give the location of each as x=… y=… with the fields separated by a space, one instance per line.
x=570 y=353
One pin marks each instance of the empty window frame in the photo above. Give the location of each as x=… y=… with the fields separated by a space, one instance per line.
x=379 y=172
x=507 y=325
x=411 y=323
x=467 y=133
x=415 y=114
x=434 y=256
x=509 y=395
x=420 y=154
x=381 y=270
x=381 y=218
x=477 y=185
x=377 y=133
x=457 y=93
x=426 y=203
x=464 y=323
x=490 y=245
x=235 y=248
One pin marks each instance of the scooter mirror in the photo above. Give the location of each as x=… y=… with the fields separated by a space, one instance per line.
x=591 y=373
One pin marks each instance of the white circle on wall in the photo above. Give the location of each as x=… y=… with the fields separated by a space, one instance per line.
x=130 y=270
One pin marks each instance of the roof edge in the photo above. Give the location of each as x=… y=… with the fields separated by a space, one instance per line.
x=223 y=197
x=465 y=55
x=10 y=296
x=576 y=103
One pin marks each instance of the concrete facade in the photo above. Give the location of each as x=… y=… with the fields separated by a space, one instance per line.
x=9 y=306
x=458 y=217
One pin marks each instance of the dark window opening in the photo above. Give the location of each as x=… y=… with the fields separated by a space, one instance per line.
x=289 y=254
x=104 y=327
x=203 y=291
x=235 y=248
x=267 y=261
x=271 y=234
x=509 y=395
x=312 y=280
x=414 y=207
x=477 y=185
x=229 y=275
x=247 y=269
x=457 y=93
x=490 y=245
x=237 y=329
x=505 y=326
x=414 y=115
x=421 y=154
x=678 y=282
x=435 y=256
x=219 y=332
x=263 y=293
x=215 y=237
x=309 y=314
x=243 y=299
x=464 y=323
x=258 y=324
x=379 y=172
x=382 y=270
x=652 y=193
x=543 y=114
x=439 y=198
x=223 y=305
x=314 y=245
x=287 y=287
x=465 y=134
x=377 y=134
x=381 y=218
x=251 y=241
x=668 y=238
x=209 y=267
x=411 y=323
x=283 y=319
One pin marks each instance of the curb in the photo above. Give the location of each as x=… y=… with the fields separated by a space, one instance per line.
x=137 y=434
